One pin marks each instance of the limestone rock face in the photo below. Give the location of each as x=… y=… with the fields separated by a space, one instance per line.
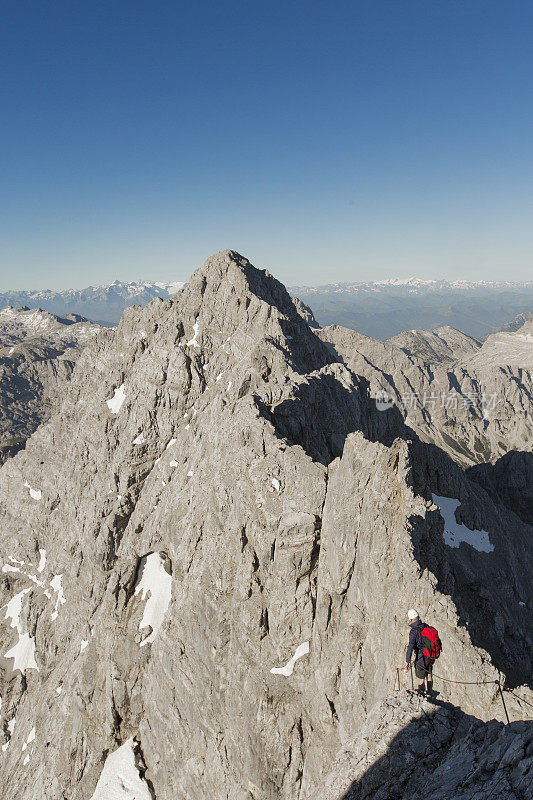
x=444 y=344
x=510 y=481
x=422 y=749
x=208 y=553
x=37 y=355
x=473 y=400
x=305 y=312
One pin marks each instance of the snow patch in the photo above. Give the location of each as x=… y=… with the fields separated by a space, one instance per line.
x=194 y=341
x=275 y=484
x=83 y=645
x=23 y=654
x=455 y=532
x=173 y=463
x=287 y=670
x=56 y=584
x=154 y=583
x=29 y=740
x=139 y=439
x=120 y=778
x=172 y=442
x=42 y=560
x=14 y=609
x=115 y=403
x=10 y=568
x=35 y=493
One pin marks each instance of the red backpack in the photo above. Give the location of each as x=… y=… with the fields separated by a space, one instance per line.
x=431 y=644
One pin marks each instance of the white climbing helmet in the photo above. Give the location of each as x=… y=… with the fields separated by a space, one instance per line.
x=412 y=613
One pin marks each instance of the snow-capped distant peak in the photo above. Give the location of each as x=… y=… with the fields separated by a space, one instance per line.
x=404 y=282
x=104 y=303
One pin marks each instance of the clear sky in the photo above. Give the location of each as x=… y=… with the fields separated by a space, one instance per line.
x=329 y=141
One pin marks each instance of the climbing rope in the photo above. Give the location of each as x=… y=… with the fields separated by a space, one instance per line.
x=464 y=683
x=518 y=697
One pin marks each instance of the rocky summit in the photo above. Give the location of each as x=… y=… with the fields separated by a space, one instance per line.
x=208 y=553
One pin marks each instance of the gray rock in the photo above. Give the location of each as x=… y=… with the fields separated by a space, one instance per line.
x=37 y=355
x=232 y=536
x=473 y=401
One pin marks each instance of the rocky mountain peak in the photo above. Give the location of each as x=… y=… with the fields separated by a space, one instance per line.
x=208 y=552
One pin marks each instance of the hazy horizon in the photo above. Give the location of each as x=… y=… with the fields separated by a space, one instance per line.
x=156 y=278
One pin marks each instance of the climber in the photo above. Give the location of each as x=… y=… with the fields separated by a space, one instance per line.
x=425 y=644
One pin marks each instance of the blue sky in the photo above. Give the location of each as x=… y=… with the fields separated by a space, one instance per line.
x=344 y=141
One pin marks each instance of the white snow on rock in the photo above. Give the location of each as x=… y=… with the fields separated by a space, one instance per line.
x=23 y=654
x=29 y=740
x=173 y=463
x=11 y=725
x=35 y=493
x=11 y=568
x=42 y=560
x=115 y=403
x=455 y=532
x=120 y=778
x=83 y=645
x=172 y=441
x=275 y=484
x=139 y=439
x=56 y=584
x=59 y=690
x=14 y=608
x=190 y=473
x=154 y=583
x=287 y=670
x=194 y=341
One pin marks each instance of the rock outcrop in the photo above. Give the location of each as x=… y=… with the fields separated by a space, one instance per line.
x=414 y=748
x=208 y=553
x=37 y=355
x=472 y=400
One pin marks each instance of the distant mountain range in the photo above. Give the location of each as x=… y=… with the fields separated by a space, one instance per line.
x=104 y=304
x=380 y=309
